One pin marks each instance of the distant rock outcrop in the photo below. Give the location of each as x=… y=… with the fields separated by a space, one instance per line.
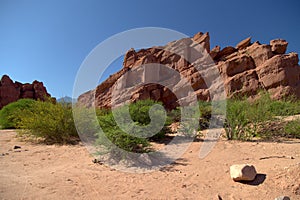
x=66 y=99
x=13 y=91
x=245 y=70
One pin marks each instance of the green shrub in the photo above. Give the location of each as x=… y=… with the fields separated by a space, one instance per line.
x=132 y=134
x=112 y=136
x=292 y=129
x=244 y=118
x=53 y=122
x=236 y=119
x=247 y=119
x=102 y=111
x=285 y=108
x=10 y=114
x=173 y=116
x=139 y=112
x=205 y=109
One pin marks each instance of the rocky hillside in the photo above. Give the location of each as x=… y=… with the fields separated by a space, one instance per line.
x=244 y=70
x=12 y=91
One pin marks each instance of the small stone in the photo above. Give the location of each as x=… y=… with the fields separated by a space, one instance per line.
x=96 y=161
x=243 y=172
x=17 y=147
x=282 y=198
x=244 y=44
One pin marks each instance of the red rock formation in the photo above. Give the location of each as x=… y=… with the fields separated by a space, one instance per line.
x=244 y=70
x=12 y=91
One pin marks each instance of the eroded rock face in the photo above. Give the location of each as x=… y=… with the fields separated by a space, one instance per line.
x=279 y=46
x=203 y=39
x=243 y=70
x=13 y=91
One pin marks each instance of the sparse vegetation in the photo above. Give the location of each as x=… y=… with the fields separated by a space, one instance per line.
x=286 y=107
x=292 y=129
x=245 y=120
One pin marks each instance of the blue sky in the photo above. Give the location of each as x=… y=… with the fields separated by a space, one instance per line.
x=48 y=40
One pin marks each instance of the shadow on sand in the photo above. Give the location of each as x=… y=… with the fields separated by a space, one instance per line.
x=259 y=179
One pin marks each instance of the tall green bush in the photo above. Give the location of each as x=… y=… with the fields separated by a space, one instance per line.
x=53 y=122
x=10 y=115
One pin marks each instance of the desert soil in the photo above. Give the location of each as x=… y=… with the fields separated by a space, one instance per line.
x=37 y=171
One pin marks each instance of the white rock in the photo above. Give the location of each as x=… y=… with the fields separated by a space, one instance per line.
x=243 y=172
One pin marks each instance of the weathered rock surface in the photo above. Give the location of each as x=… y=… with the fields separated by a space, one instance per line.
x=243 y=44
x=279 y=46
x=243 y=172
x=241 y=70
x=12 y=91
x=203 y=39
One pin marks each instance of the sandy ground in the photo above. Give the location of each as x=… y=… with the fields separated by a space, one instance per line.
x=37 y=171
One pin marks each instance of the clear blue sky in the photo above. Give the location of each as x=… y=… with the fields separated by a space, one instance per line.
x=48 y=40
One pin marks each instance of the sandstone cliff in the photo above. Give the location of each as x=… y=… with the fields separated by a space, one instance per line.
x=244 y=70
x=12 y=91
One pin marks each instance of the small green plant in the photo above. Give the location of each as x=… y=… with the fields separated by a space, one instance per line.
x=10 y=115
x=258 y=114
x=205 y=109
x=173 y=116
x=236 y=119
x=292 y=129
